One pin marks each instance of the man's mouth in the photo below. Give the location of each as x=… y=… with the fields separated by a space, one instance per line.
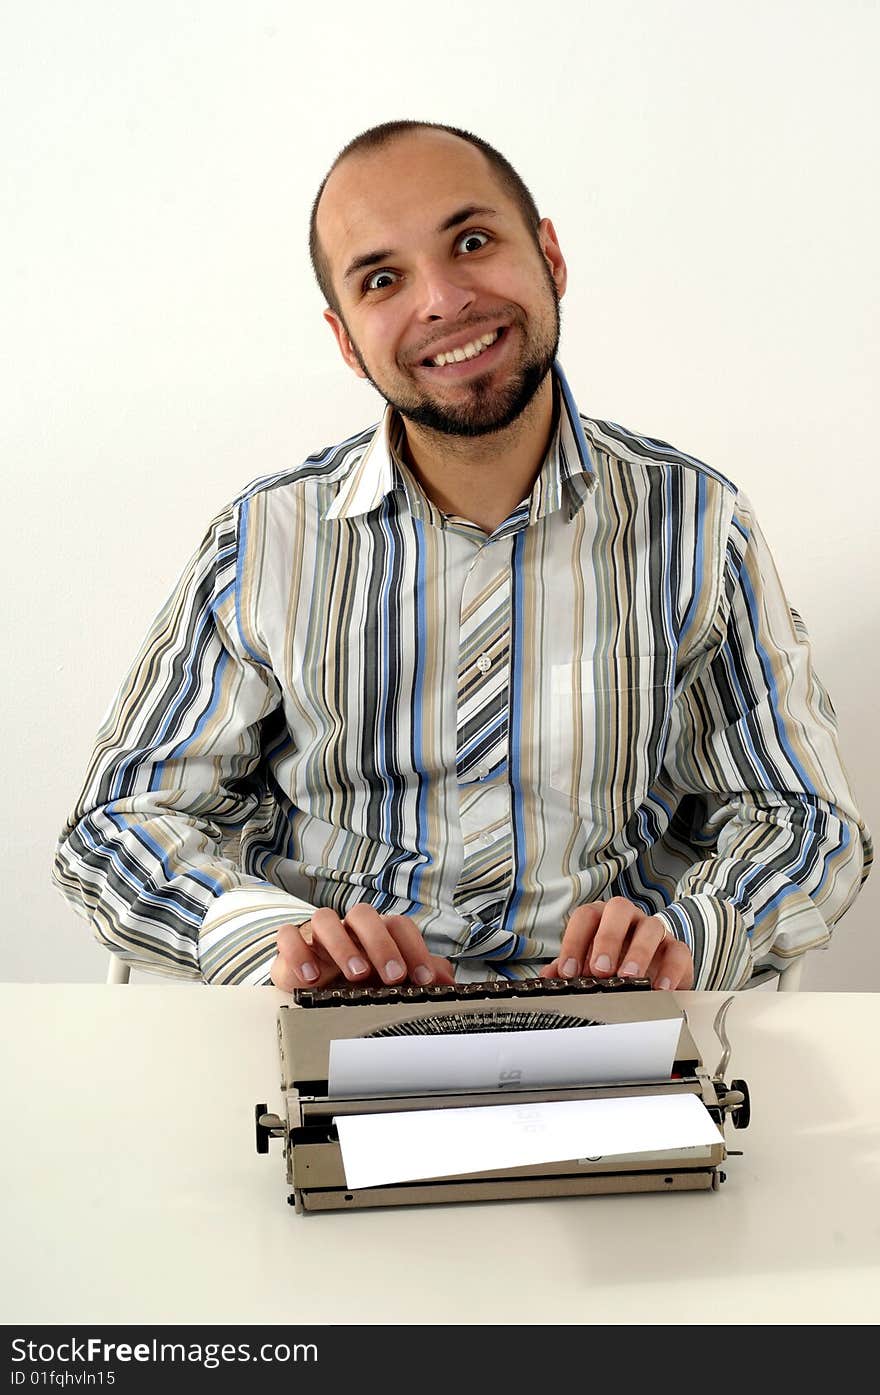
x=475 y=349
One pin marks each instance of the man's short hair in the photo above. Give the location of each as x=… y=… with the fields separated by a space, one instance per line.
x=378 y=136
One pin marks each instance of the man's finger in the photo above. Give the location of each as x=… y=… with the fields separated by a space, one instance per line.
x=378 y=946
x=576 y=941
x=421 y=966
x=300 y=963
x=645 y=939
x=359 y=944
x=618 y=918
x=672 y=966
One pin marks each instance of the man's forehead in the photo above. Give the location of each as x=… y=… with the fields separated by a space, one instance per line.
x=407 y=187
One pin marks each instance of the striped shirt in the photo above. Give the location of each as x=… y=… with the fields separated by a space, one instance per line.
x=301 y=727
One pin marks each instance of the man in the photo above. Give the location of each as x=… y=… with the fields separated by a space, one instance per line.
x=491 y=688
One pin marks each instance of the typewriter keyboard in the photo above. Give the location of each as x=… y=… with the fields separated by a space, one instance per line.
x=354 y=996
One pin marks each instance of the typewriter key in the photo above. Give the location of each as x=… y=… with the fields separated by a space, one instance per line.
x=383 y=994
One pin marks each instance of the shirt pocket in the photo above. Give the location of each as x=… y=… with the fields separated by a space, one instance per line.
x=609 y=720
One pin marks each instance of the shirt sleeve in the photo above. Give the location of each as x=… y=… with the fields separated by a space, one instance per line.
x=753 y=752
x=175 y=774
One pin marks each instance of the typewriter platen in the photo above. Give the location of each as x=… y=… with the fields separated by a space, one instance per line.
x=311 y=1145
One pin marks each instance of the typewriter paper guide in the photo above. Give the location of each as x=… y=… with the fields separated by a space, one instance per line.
x=608 y=1054
x=378 y=1149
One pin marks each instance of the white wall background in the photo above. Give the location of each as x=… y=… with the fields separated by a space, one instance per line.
x=711 y=170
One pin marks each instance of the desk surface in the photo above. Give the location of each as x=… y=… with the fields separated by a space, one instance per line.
x=132 y=1191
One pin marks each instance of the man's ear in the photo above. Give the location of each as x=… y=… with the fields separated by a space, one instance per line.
x=553 y=255
x=341 y=335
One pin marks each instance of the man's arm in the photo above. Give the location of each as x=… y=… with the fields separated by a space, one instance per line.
x=754 y=741
x=175 y=770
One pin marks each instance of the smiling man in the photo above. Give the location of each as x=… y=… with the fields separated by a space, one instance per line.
x=493 y=687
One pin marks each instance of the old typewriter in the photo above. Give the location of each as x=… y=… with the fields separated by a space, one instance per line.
x=316 y=1018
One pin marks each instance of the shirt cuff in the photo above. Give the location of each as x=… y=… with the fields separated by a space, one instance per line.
x=715 y=933
x=237 y=941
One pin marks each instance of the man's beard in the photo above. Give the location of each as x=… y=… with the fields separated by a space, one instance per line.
x=487 y=409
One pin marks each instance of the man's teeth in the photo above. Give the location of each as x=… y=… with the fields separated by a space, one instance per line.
x=471 y=350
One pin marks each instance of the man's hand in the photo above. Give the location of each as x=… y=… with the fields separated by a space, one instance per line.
x=615 y=937
x=364 y=948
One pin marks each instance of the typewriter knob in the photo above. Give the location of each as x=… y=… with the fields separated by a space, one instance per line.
x=741 y=1115
x=267 y=1126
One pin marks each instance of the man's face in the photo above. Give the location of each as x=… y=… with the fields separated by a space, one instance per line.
x=428 y=254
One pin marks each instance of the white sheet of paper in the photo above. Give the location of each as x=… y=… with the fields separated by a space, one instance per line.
x=415 y=1144
x=606 y=1054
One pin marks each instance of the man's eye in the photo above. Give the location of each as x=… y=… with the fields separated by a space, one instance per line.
x=472 y=237
x=372 y=281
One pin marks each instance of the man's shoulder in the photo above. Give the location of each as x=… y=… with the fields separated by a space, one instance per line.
x=324 y=471
x=631 y=448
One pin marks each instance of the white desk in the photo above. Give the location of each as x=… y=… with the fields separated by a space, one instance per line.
x=132 y=1191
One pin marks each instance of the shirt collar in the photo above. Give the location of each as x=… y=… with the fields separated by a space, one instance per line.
x=566 y=474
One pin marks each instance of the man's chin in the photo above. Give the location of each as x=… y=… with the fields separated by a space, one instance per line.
x=466 y=424
x=490 y=413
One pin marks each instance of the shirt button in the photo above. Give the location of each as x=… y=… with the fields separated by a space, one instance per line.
x=484 y=663
x=487 y=840
x=482 y=770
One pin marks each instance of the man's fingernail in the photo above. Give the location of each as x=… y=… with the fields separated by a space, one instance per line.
x=630 y=969
x=422 y=974
x=665 y=983
x=603 y=964
x=308 y=972
x=569 y=968
x=357 y=966
x=394 y=968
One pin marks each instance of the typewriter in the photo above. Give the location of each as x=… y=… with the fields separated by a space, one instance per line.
x=316 y=1018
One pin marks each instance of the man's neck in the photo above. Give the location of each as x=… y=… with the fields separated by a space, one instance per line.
x=483 y=478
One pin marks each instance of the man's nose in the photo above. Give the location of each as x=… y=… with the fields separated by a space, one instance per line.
x=443 y=297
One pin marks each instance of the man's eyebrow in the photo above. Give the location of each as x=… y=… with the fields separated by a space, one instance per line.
x=384 y=254
x=471 y=210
